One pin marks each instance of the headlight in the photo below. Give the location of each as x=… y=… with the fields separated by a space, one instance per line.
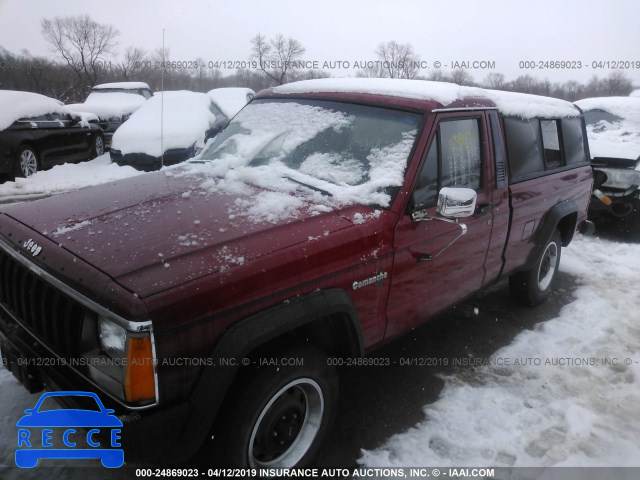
x=621 y=178
x=119 y=360
x=112 y=338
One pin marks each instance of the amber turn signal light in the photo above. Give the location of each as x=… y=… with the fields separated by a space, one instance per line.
x=139 y=379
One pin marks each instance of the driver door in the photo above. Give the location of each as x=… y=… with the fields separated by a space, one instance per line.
x=430 y=273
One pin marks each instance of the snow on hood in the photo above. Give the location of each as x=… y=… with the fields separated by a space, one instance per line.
x=109 y=104
x=509 y=103
x=617 y=139
x=231 y=100
x=186 y=120
x=17 y=105
x=122 y=85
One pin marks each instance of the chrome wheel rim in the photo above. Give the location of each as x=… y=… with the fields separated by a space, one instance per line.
x=287 y=425
x=99 y=146
x=548 y=266
x=28 y=163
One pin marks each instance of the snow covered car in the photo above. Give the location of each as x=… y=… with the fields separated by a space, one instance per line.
x=170 y=128
x=37 y=132
x=613 y=129
x=113 y=103
x=231 y=100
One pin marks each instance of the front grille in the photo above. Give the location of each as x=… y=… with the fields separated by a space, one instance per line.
x=51 y=315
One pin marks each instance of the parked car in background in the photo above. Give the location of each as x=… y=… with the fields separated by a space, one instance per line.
x=113 y=103
x=231 y=100
x=170 y=128
x=613 y=129
x=37 y=132
x=327 y=218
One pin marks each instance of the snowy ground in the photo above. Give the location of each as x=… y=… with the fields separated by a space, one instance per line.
x=580 y=413
x=62 y=178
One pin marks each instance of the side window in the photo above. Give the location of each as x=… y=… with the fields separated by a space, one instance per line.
x=426 y=192
x=573 y=140
x=460 y=158
x=454 y=160
x=524 y=146
x=551 y=143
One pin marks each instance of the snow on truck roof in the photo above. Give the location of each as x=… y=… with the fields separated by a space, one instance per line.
x=122 y=85
x=509 y=103
x=17 y=105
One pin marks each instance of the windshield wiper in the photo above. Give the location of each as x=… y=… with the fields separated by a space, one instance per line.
x=317 y=189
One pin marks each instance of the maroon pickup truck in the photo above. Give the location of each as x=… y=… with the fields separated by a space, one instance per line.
x=214 y=299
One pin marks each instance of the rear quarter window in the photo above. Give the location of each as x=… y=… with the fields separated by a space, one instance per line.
x=524 y=146
x=573 y=140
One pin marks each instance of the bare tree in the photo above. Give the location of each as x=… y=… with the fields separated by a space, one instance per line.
x=437 y=75
x=617 y=83
x=83 y=44
x=398 y=60
x=462 y=77
x=276 y=57
x=494 y=80
x=132 y=63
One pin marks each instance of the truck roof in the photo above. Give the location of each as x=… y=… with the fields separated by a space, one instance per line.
x=429 y=95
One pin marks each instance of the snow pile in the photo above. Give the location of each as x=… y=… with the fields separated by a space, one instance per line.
x=252 y=152
x=17 y=105
x=122 y=86
x=186 y=120
x=635 y=93
x=107 y=105
x=231 y=100
x=63 y=178
x=618 y=139
x=510 y=103
x=565 y=411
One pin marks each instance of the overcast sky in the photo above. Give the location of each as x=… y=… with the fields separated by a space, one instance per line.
x=502 y=31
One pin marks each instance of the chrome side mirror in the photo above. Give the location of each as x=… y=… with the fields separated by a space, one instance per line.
x=456 y=202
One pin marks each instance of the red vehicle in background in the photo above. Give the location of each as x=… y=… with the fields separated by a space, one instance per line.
x=327 y=218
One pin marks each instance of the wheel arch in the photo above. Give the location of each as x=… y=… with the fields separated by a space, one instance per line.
x=320 y=319
x=562 y=216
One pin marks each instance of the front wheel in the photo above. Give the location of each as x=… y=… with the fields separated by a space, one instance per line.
x=532 y=287
x=280 y=415
x=26 y=162
x=97 y=148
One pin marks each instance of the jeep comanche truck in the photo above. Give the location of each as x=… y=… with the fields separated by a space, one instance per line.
x=330 y=216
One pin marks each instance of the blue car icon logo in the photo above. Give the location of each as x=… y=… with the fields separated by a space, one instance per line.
x=85 y=433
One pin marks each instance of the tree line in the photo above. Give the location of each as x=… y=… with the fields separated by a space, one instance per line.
x=85 y=53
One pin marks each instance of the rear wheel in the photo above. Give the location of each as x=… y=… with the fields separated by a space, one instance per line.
x=279 y=416
x=27 y=162
x=532 y=287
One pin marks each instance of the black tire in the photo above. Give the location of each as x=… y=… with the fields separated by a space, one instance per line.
x=97 y=146
x=532 y=287
x=27 y=162
x=278 y=416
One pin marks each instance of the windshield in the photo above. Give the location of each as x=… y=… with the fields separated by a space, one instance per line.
x=355 y=153
x=591 y=117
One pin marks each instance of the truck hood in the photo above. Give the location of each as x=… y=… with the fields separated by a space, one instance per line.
x=155 y=231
